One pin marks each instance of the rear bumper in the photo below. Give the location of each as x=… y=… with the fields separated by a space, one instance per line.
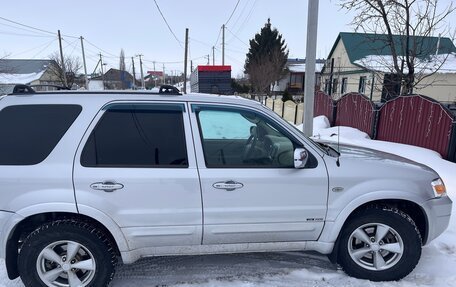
x=438 y=212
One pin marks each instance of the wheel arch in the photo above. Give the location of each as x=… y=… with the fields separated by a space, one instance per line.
x=413 y=209
x=30 y=223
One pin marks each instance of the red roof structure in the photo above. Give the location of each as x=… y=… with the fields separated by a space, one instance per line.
x=212 y=68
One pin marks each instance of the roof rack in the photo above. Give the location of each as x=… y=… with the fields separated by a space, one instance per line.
x=169 y=90
x=19 y=89
x=7 y=89
x=57 y=87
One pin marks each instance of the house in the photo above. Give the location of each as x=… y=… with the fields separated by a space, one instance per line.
x=113 y=79
x=28 y=72
x=293 y=80
x=360 y=62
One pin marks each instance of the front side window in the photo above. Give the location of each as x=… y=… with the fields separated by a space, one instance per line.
x=29 y=133
x=236 y=138
x=131 y=135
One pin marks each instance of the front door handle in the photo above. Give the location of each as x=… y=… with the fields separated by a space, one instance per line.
x=229 y=185
x=107 y=186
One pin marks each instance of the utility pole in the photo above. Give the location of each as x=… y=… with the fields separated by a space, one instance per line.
x=185 y=61
x=164 y=75
x=134 y=72
x=84 y=62
x=311 y=54
x=213 y=56
x=223 y=45
x=143 y=85
x=61 y=59
x=102 y=72
x=208 y=59
x=191 y=66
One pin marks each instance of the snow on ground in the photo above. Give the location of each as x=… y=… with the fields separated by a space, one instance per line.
x=295 y=269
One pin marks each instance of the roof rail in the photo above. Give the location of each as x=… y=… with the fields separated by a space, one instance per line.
x=57 y=87
x=8 y=89
x=169 y=90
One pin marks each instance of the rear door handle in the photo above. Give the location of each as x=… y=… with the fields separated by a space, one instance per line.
x=107 y=186
x=229 y=185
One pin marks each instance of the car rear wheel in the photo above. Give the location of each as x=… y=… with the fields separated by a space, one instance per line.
x=379 y=244
x=66 y=253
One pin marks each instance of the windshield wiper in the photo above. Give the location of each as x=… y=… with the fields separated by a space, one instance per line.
x=329 y=149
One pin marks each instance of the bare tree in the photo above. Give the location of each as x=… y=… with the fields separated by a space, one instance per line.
x=122 y=60
x=122 y=68
x=72 y=67
x=412 y=20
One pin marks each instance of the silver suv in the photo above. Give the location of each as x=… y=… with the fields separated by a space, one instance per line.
x=87 y=179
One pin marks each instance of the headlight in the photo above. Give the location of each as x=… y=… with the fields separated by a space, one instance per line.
x=439 y=187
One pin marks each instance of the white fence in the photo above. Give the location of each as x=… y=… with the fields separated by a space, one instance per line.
x=287 y=110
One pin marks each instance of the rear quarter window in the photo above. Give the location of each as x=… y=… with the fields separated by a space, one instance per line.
x=29 y=133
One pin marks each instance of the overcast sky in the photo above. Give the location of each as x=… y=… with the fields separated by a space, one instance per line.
x=137 y=27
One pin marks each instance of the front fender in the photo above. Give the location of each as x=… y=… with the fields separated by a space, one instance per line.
x=333 y=227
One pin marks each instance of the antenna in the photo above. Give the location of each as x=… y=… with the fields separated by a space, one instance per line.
x=338 y=146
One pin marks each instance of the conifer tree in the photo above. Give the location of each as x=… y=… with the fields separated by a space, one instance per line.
x=266 y=59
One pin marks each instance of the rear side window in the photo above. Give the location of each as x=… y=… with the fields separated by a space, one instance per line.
x=29 y=133
x=138 y=136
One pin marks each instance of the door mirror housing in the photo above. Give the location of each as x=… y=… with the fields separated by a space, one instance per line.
x=300 y=157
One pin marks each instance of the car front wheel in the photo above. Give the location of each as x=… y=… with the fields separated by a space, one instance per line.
x=379 y=244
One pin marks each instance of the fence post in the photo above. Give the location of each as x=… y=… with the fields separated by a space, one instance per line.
x=296 y=115
x=452 y=147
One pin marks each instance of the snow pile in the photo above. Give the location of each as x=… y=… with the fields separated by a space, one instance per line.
x=6 y=78
x=301 y=68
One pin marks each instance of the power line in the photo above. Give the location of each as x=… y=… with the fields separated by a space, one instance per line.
x=246 y=18
x=232 y=13
x=218 y=37
x=240 y=14
x=72 y=44
x=104 y=51
x=236 y=37
x=23 y=29
x=24 y=35
x=41 y=51
x=166 y=22
x=34 y=28
x=34 y=48
x=27 y=26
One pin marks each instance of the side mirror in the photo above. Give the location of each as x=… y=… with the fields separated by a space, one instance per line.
x=300 y=157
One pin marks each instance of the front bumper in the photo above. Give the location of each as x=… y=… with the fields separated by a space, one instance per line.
x=438 y=212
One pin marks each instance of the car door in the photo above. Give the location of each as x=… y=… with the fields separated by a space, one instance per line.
x=250 y=188
x=136 y=164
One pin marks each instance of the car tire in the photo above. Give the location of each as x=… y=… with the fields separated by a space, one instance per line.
x=43 y=261
x=379 y=244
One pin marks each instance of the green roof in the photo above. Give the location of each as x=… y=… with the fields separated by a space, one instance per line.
x=360 y=45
